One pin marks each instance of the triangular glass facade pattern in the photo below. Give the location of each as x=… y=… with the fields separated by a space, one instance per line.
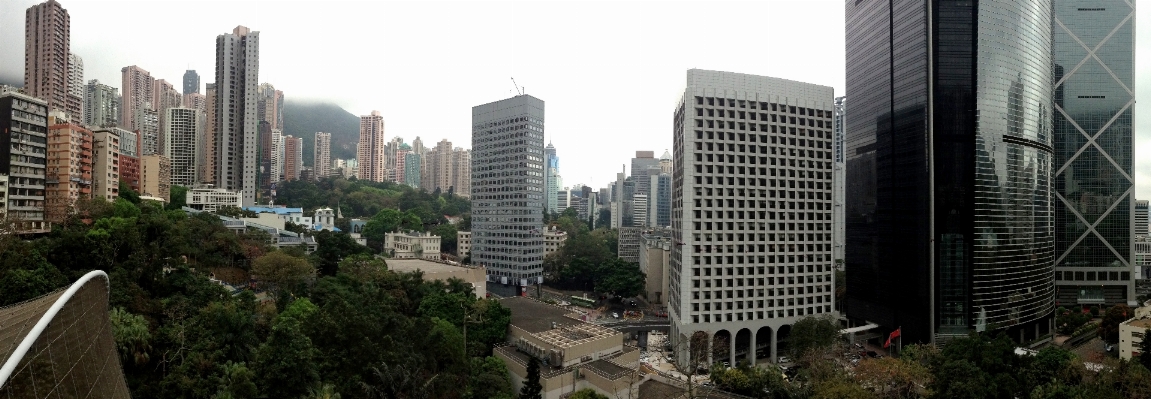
x=1094 y=103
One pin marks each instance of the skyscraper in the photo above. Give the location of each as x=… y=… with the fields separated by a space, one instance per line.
x=191 y=82
x=461 y=172
x=270 y=105
x=47 y=46
x=138 y=91
x=208 y=171
x=293 y=157
x=105 y=161
x=751 y=208
x=644 y=165
x=322 y=155
x=437 y=173
x=508 y=189
x=164 y=97
x=101 y=104
x=277 y=169
x=237 y=122
x=185 y=130
x=1094 y=180
x=839 y=236
x=412 y=162
x=68 y=176
x=551 y=171
x=75 y=102
x=950 y=224
x=370 y=151
x=1141 y=213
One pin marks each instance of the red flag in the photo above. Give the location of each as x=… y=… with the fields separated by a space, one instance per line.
x=892 y=336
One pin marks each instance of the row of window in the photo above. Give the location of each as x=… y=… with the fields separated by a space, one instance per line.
x=760 y=315
x=791 y=109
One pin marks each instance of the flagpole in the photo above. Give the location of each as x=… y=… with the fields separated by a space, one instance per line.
x=900 y=349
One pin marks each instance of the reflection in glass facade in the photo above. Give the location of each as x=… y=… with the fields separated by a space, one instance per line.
x=1094 y=101
x=949 y=207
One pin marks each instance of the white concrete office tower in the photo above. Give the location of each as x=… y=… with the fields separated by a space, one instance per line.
x=237 y=129
x=551 y=172
x=1141 y=218
x=639 y=211
x=184 y=127
x=75 y=106
x=462 y=172
x=838 y=180
x=322 y=155
x=101 y=104
x=617 y=198
x=370 y=150
x=508 y=189
x=751 y=213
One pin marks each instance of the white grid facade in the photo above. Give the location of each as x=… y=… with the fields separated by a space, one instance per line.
x=751 y=205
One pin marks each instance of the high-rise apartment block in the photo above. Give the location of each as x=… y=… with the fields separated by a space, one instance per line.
x=68 y=176
x=270 y=105
x=75 y=101
x=164 y=97
x=950 y=218
x=1094 y=180
x=106 y=162
x=293 y=157
x=184 y=128
x=208 y=171
x=130 y=145
x=101 y=104
x=237 y=119
x=751 y=211
x=137 y=88
x=147 y=123
x=412 y=162
x=23 y=157
x=370 y=151
x=277 y=169
x=461 y=172
x=196 y=100
x=322 y=155
x=47 y=46
x=155 y=177
x=551 y=171
x=838 y=184
x=191 y=82
x=508 y=189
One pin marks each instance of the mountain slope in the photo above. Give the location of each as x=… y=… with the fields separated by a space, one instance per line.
x=304 y=119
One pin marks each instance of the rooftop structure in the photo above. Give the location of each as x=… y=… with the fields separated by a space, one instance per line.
x=574 y=354
x=412 y=244
x=443 y=271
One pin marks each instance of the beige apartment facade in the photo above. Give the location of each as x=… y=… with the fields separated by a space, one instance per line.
x=47 y=43
x=69 y=172
x=106 y=170
x=322 y=155
x=370 y=150
x=155 y=177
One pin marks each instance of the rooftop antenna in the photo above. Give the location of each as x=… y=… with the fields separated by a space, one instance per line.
x=518 y=91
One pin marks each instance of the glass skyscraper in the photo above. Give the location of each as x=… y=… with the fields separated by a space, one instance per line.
x=1094 y=102
x=949 y=212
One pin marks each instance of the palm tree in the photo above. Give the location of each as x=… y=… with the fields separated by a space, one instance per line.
x=322 y=391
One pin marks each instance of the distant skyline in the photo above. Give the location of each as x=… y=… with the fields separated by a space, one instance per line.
x=610 y=72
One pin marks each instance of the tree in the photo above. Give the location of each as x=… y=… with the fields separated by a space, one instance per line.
x=532 y=388
x=1109 y=328
x=179 y=197
x=893 y=377
x=812 y=334
x=363 y=267
x=234 y=212
x=1145 y=349
x=621 y=278
x=132 y=336
x=126 y=192
x=331 y=248
x=279 y=272
x=751 y=381
x=448 y=238
x=286 y=362
x=489 y=379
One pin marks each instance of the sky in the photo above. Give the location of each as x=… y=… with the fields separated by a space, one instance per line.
x=610 y=73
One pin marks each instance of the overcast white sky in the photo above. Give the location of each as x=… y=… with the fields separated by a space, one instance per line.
x=610 y=72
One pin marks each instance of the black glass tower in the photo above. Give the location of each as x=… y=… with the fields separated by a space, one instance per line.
x=191 y=82
x=1094 y=102
x=949 y=212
